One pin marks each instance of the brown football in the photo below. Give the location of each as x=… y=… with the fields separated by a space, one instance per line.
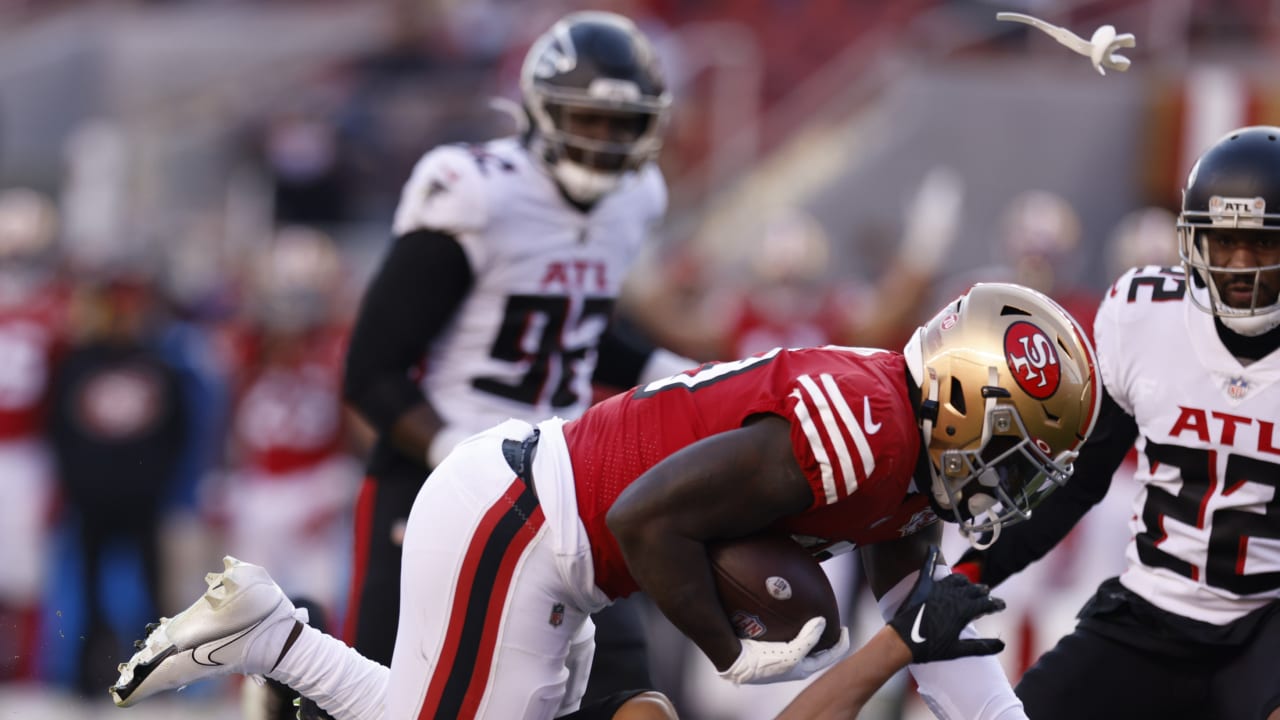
x=770 y=587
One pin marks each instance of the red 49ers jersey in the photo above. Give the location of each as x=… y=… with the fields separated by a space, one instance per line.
x=853 y=432
x=288 y=417
x=31 y=338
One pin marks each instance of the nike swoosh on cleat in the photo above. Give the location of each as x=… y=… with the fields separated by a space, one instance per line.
x=916 y=637
x=872 y=427
x=203 y=654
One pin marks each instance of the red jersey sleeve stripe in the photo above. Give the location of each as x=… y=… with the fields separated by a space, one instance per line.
x=810 y=431
x=843 y=474
x=851 y=424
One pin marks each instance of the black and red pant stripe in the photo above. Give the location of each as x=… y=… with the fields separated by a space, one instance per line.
x=462 y=674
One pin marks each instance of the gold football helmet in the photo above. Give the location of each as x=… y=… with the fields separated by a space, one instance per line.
x=1009 y=390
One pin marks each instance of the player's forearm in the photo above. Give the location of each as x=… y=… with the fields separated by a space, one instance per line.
x=413 y=432
x=675 y=573
x=842 y=691
x=413 y=296
x=1024 y=543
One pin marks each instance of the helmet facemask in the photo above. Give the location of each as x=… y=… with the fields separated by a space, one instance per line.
x=1207 y=281
x=998 y=478
x=589 y=167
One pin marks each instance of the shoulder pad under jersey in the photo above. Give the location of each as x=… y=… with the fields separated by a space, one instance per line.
x=450 y=190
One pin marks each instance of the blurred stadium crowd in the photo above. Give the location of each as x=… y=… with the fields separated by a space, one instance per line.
x=192 y=195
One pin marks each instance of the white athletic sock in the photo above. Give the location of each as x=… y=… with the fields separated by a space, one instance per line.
x=261 y=653
x=340 y=680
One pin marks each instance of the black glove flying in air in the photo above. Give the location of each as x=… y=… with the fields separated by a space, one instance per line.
x=931 y=618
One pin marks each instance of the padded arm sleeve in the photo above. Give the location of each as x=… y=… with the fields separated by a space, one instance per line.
x=628 y=358
x=624 y=350
x=415 y=293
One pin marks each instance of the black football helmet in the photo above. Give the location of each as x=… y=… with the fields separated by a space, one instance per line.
x=595 y=63
x=1232 y=196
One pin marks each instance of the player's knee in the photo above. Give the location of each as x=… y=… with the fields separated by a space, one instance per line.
x=650 y=705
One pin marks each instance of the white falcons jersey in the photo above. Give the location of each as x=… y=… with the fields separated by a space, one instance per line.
x=1206 y=525
x=546 y=274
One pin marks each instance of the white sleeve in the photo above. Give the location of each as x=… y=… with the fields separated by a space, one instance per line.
x=664 y=363
x=1106 y=339
x=972 y=688
x=446 y=193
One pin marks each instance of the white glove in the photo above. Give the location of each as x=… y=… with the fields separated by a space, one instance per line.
x=769 y=662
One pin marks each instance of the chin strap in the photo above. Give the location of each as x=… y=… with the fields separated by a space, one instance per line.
x=976 y=539
x=929 y=410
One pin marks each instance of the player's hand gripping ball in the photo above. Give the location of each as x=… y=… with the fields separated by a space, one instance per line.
x=770 y=587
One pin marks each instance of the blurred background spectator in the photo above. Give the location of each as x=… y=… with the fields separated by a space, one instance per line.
x=32 y=303
x=190 y=134
x=117 y=431
x=289 y=477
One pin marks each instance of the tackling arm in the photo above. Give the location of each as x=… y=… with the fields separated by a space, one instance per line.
x=968 y=688
x=628 y=358
x=1024 y=543
x=416 y=291
x=926 y=628
x=724 y=486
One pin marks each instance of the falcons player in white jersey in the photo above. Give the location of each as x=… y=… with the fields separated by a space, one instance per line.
x=525 y=530
x=1190 y=360
x=496 y=299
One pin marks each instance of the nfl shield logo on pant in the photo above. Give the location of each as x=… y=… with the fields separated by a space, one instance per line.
x=557 y=615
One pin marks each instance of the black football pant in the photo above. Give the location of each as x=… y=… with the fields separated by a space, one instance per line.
x=1091 y=675
x=373 y=610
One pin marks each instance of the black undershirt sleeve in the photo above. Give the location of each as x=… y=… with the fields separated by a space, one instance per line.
x=416 y=291
x=1024 y=543
x=624 y=351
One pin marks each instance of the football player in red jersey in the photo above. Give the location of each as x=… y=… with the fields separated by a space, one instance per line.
x=290 y=474
x=525 y=530
x=1190 y=359
x=33 y=307
x=496 y=298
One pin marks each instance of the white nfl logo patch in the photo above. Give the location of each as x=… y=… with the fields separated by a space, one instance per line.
x=778 y=587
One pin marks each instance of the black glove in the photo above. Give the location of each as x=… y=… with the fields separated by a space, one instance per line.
x=931 y=618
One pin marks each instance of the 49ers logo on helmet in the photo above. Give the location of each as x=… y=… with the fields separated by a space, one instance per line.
x=1032 y=359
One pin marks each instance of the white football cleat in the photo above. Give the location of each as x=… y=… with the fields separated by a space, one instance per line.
x=216 y=636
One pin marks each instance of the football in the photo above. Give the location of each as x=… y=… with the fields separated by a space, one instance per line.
x=770 y=587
